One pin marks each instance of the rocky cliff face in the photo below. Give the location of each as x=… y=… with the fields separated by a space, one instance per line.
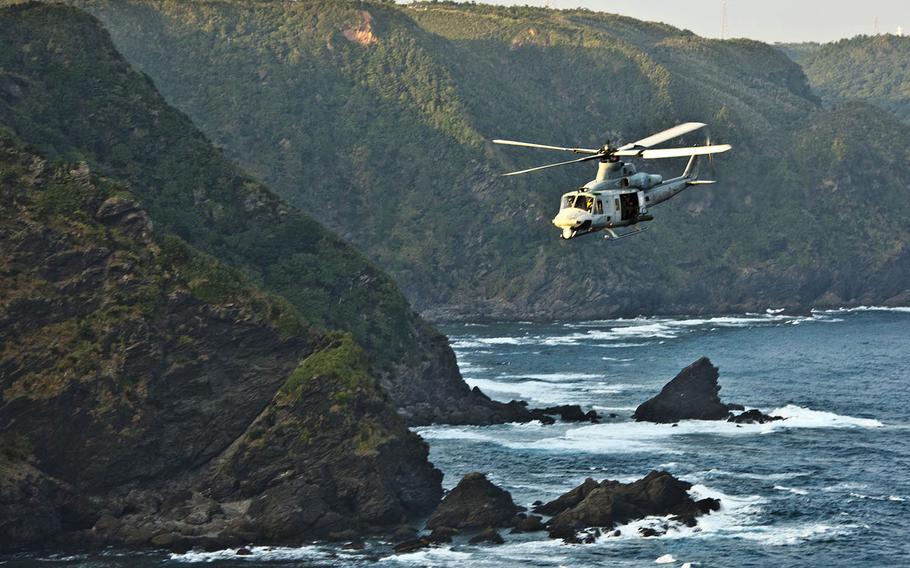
x=65 y=89
x=151 y=396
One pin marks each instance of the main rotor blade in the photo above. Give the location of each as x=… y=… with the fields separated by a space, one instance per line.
x=678 y=152
x=545 y=147
x=668 y=134
x=585 y=159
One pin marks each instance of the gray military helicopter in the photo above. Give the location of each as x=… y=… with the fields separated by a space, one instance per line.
x=619 y=197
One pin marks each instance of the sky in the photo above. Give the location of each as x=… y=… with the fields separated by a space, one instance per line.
x=765 y=20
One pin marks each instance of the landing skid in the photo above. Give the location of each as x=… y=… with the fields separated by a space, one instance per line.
x=612 y=236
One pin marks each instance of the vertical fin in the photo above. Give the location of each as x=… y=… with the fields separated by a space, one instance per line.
x=691 y=168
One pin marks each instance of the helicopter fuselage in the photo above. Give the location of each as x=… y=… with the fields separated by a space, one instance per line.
x=615 y=201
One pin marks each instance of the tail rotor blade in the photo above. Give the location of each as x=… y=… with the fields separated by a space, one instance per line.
x=545 y=147
x=668 y=134
x=585 y=159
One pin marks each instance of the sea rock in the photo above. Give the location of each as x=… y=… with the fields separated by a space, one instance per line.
x=609 y=503
x=487 y=535
x=569 y=413
x=531 y=523
x=568 y=500
x=403 y=534
x=411 y=545
x=442 y=535
x=753 y=417
x=474 y=503
x=692 y=395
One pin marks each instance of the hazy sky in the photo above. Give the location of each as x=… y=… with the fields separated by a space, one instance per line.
x=765 y=20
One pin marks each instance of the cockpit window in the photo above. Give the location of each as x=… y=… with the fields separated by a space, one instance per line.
x=567 y=201
x=585 y=202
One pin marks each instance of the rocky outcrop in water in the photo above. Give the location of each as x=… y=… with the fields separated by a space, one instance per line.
x=693 y=395
x=609 y=503
x=474 y=503
x=753 y=417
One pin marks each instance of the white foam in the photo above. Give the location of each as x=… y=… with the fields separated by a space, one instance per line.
x=794 y=490
x=470 y=433
x=897 y=309
x=782 y=476
x=259 y=553
x=738 y=518
x=536 y=391
x=624 y=437
x=800 y=417
x=429 y=557
x=665 y=559
x=784 y=535
x=553 y=377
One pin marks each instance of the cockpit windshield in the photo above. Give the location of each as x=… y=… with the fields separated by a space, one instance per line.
x=585 y=202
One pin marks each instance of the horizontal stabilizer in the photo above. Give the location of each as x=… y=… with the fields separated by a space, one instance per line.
x=701 y=182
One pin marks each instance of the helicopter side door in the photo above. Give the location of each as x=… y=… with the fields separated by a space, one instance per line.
x=629 y=205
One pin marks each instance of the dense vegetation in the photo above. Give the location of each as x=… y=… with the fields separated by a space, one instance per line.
x=875 y=69
x=375 y=118
x=60 y=95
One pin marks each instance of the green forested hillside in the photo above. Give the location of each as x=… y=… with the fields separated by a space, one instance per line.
x=874 y=69
x=65 y=89
x=375 y=119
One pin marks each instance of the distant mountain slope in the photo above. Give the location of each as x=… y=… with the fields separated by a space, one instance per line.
x=65 y=89
x=375 y=118
x=873 y=69
x=145 y=388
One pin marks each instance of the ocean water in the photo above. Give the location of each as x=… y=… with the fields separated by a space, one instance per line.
x=828 y=486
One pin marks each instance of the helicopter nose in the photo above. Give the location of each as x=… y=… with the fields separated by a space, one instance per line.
x=568 y=219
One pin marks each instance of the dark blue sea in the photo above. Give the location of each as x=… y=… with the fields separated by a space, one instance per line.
x=828 y=486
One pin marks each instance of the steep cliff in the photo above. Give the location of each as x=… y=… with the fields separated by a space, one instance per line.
x=149 y=395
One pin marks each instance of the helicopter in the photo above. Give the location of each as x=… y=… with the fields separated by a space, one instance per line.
x=619 y=198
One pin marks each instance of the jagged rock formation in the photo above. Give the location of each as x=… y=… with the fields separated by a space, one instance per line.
x=693 y=395
x=474 y=503
x=150 y=396
x=609 y=503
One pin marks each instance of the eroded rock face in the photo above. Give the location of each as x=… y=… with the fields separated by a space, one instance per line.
x=474 y=503
x=164 y=401
x=691 y=395
x=610 y=503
